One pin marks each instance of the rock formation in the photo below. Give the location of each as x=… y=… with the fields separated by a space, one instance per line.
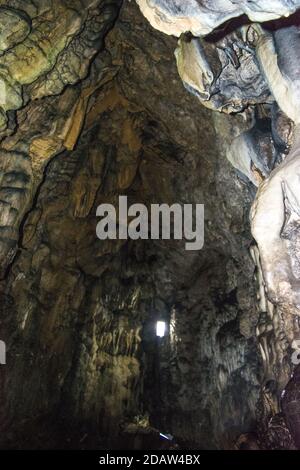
x=253 y=69
x=93 y=107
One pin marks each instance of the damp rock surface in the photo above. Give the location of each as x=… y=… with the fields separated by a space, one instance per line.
x=94 y=108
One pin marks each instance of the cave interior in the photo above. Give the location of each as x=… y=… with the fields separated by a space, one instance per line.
x=142 y=343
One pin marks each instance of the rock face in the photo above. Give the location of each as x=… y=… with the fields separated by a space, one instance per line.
x=51 y=49
x=200 y=17
x=92 y=107
x=254 y=70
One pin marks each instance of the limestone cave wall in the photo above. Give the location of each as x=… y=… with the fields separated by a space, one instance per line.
x=93 y=107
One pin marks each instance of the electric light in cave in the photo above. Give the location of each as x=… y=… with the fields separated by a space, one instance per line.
x=160 y=329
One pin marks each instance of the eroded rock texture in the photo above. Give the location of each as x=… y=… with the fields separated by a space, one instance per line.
x=52 y=48
x=252 y=69
x=200 y=17
x=92 y=107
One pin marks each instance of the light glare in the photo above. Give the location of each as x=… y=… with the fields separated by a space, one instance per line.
x=160 y=328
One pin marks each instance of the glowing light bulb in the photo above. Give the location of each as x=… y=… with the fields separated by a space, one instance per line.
x=160 y=328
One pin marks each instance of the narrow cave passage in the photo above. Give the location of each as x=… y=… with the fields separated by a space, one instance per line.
x=110 y=341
